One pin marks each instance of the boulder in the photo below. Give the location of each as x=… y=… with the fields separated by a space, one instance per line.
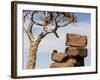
x=69 y=63
x=76 y=51
x=58 y=56
x=76 y=40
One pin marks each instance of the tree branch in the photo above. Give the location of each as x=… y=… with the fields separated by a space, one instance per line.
x=56 y=20
x=28 y=28
x=58 y=26
x=38 y=23
x=56 y=34
x=64 y=24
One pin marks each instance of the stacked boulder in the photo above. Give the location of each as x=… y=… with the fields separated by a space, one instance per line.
x=73 y=55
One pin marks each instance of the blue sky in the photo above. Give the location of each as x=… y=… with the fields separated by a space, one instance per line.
x=50 y=42
x=84 y=17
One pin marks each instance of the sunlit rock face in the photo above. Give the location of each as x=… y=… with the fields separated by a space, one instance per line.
x=73 y=55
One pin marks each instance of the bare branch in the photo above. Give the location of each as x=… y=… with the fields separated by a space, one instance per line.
x=24 y=17
x=56 y=34
x=64 y=24
x=38 y=23
x=49 y=17
x=30 y=36
x=59 y=26
x=28 y=28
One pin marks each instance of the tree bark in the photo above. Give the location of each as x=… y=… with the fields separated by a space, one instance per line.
x=33 y=51
x=32 y=54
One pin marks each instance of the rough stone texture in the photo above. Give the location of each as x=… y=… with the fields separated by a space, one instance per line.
x=76 y=51
x=74 y=54
x=76 y=40
x=69 y=63
x=58 y=56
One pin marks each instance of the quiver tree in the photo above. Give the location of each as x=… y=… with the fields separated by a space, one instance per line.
x=43 y=19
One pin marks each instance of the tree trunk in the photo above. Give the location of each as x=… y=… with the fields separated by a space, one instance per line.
x=32 y=54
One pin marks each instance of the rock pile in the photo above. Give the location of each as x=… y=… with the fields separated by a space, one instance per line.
x=73 y=55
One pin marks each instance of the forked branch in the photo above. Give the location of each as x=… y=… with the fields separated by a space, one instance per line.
x=28 y=28
x=48 y=19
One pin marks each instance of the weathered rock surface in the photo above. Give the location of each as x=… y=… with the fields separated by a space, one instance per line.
x=76 y=40
x=76 y=51
x=69 y=63
x=58 y=56
x=74 y=54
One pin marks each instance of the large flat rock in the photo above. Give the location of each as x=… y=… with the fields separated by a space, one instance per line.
x=76 y=40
